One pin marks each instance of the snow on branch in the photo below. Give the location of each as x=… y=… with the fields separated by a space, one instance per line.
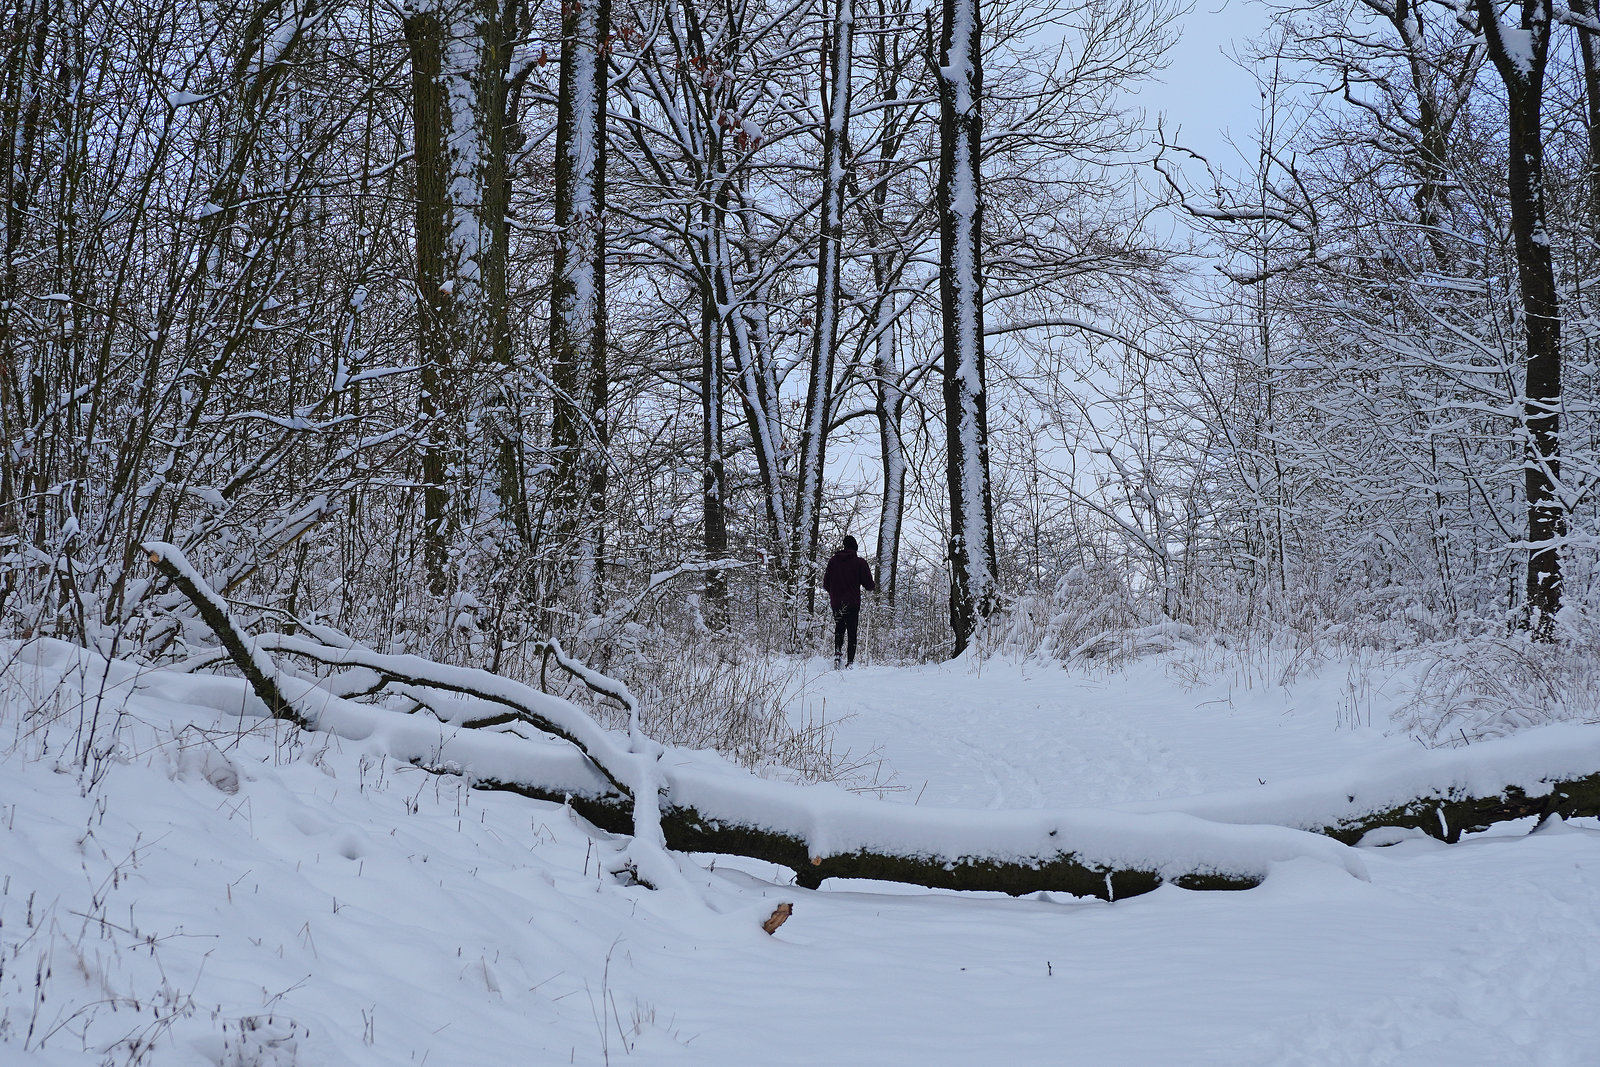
x=257 y=667
x=599 y=628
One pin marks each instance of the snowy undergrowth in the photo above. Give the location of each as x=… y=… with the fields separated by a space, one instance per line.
x=1407 y=673
x=708 y=693
x=1486 y=687
x=253 y=896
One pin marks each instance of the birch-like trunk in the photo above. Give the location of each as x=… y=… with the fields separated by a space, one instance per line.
x=889 y=409
x=819 y=392
x=1519 y=55
x=972 y=559
x=577 y=295
x=888 y=388
x=459 y=63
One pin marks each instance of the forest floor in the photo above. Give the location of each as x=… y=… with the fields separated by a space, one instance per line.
x=214 y=891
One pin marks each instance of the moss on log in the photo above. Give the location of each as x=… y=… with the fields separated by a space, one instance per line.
x=1447 y=818
x=689 y=830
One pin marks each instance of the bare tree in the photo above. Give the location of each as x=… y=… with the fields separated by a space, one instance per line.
x=819 y=392
x=577 y=298
x=960 y=78
x=1520 y=54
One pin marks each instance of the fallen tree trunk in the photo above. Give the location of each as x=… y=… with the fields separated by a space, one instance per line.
x=1448 y=817
x=1443 y=793
x=823 y=832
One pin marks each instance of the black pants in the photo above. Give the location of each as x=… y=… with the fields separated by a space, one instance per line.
x=844 y=623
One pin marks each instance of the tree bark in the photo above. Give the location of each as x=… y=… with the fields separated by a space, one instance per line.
x=971 y=550
x=459 y=64
x=1520 y=58
x=713 y=471
x=577 y=295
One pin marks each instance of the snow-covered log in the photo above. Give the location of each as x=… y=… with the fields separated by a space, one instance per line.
x=1444 y=793
x=703 y=804
x=824 y=832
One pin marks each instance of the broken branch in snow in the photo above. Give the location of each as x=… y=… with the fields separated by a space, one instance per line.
x=779 y=916
x=634 y=772
x=257 y=669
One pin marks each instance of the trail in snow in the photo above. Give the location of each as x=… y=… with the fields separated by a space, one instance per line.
x=1007 y=735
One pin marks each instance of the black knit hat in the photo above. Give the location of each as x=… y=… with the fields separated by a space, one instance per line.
x=849 y=542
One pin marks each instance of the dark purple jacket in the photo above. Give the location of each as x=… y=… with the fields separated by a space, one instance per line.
x=846 y=576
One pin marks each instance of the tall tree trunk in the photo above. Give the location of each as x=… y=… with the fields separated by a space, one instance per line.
x=889 y=409
x=819 y=392
x=714 y=480
x=760 y=406
x=459 y=63
x=577 y=294
x=1519 y=55
x=1590 y=58
x=972 y=557
x=889 y=390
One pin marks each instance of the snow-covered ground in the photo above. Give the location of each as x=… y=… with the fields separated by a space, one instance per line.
x=219 y=891
x=1035 y=735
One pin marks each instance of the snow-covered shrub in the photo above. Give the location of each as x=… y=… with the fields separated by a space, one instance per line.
x=1111 y=647
x=1089 y=607
x=698 y=690
x=715 y=695
x=1491 y=686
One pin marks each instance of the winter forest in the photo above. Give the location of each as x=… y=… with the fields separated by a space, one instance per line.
x=459 y=400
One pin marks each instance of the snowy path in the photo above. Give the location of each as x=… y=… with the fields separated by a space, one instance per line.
x=1478 y=954
x=1030 y=736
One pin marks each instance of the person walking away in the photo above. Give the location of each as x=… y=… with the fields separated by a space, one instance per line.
x=846 y=575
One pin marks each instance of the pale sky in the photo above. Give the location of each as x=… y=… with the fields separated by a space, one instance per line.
x=1204 y=92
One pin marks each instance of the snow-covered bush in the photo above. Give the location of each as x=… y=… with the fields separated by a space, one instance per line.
x=1491 y=686
x=1087 y=605
x=714 y=694
x=696 y=690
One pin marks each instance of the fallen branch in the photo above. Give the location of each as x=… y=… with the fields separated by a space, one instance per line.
x=258 y=670
x=634 y=774
x=692 y=802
